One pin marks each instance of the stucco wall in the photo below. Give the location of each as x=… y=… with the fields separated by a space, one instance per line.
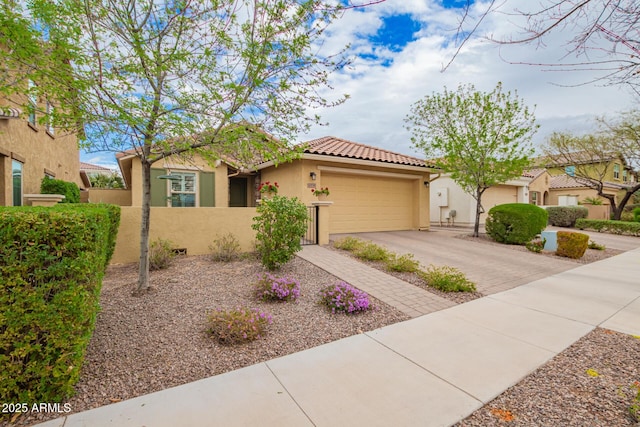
x=39 y=152
x=190 y=228
x=114 y=196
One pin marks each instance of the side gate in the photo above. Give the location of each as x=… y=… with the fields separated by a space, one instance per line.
x=311 y=236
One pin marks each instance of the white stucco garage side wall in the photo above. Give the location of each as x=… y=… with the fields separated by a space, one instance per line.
x=446 y=195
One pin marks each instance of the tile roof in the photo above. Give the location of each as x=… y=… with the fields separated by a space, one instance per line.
x=566 y=181
x=9 y=113
x=533 y=173
x=332 y=146
x=91 y=167
x=576 y=157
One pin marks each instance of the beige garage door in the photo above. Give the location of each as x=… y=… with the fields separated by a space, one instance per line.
x=365 y=203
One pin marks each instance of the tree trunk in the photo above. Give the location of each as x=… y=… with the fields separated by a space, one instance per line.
x=143 y=271
x=479 y=211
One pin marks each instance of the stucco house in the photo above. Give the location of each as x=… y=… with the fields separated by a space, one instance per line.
x=31 y=150
x=372 y=189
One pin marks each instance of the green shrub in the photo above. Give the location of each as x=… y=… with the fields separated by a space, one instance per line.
x=160 y=254
x=447 y=279
x=371 y=252
x=69 y=190
x=52 y=261
x=536 y=246
x=280 y=225
x=515 y=223
x=596 y=201
x=572 y=244
x=636 y=214
x=596 y=246
x=402 y=263
x=348 y=243
x=238 y=325
x=614 y=227
x=566 y=216
x=225 y=248
x=626 y=216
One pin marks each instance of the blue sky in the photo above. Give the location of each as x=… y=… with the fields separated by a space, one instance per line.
x=399 y=48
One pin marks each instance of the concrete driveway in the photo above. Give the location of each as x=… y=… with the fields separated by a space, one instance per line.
x=493 y=268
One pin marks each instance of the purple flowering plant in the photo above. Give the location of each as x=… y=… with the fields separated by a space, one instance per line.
x=272 y=288
x=344 y=297
x=238 y=325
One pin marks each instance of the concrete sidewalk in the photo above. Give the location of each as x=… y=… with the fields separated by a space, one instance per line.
x=432 y=370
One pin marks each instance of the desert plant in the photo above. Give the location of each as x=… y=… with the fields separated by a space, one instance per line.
x=272 y=288
x=160 y=254
x=447 y=279
x=225 y=248
x=348 y=243
x=515 y=223
x=571 y=244
x=634 y=408
x=402 y=263
x=280 y=225
x=536 y=245
x=371 y=252
x=238 y=325
x=596 y=246
x=321 y=191
x=566 y=216
x=596 y=201
x=344 y=297
x=268 y=187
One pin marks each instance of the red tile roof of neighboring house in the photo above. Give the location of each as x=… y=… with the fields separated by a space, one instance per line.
x=332 y=146
x=91 y=167
x=533 y=173
x=566 y=181
x=9 y=113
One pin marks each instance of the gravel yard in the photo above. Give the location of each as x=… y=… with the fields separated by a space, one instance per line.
x=149 y=343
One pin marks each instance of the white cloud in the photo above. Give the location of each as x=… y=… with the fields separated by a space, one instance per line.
x=381 y=95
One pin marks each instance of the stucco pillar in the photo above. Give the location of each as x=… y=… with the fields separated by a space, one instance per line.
x=323 y=221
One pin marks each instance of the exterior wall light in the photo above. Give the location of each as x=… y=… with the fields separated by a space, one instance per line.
x=313 y=176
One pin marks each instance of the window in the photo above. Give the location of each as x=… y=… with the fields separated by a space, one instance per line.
x=570 y=170
x=625 y=177
x=33 y=103
x=183 y=189
x=16 y=167
x=535 y=198
x=49 y=118
x=616 y=171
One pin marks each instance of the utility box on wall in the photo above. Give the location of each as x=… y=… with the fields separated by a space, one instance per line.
x=442 y=197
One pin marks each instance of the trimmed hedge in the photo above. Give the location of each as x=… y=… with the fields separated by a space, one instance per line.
x=515 y=223
x=69 y=190
x=609 y=226
x=566 y=216
x=52 y=261
x=572 y=244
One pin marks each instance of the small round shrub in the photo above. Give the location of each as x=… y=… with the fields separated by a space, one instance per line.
x=238 y=325
x=515 y=223
x=348 y=243
x=536 y=245
x=344 y=297
x=160 y=254
x=272 y=288
x=566 y=216
x=402 y=263
x=572 y=244
x=371 y=252
x=636 y=214
x=225 y=248
x=447 y=279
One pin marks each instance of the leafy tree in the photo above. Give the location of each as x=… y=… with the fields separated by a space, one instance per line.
x=480 y=138
x=592 y=157
x=180 y=77
x=103 y=180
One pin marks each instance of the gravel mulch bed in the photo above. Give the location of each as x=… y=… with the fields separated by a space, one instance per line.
x=591 y=255
x=589 y=384
x=156 y=341
x=457 y=297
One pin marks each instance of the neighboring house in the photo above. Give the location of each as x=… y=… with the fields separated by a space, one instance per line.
x=538 y=186
x=371 y=189
x=451 y=205
x=611 y=168
x=31 y=150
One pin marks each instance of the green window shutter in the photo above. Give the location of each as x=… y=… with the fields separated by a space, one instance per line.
x=158 y=188
x=207 y=189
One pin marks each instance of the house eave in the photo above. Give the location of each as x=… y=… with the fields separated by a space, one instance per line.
x=357 y=162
